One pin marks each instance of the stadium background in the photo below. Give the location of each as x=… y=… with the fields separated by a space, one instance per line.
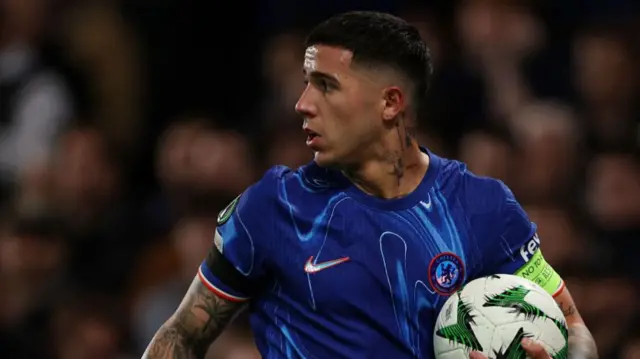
x=126 y=125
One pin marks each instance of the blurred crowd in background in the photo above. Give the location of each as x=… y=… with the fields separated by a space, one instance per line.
x=125 y=126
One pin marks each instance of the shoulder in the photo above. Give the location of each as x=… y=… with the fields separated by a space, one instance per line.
x=493 y=210
x=478 y=194
x=281 y=184
x=257 y=198
x=267 y=186
x=488 y=204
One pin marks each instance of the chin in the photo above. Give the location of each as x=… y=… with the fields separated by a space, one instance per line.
x=324 y=159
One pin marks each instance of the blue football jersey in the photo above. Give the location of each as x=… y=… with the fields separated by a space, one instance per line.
x=337 y=273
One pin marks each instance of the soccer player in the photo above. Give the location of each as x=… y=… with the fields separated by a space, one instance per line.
x=353 y=255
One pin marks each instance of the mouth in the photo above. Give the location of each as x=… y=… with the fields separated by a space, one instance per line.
x=312 y=137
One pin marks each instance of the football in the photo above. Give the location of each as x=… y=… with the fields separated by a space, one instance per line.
x=494 y=314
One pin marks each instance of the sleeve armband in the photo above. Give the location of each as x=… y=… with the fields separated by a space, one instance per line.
x=540 y=272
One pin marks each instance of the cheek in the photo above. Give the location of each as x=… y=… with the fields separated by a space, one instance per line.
x=339 y=114
x=349 y=117
x=356 y=106
x=351 y=124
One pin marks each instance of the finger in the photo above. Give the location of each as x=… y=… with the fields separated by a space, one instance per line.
x=534 y=350
x=476 y=355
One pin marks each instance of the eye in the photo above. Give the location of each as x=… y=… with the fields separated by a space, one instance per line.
x=323 y=85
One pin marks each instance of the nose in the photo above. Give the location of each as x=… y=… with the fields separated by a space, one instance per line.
x=305 y=105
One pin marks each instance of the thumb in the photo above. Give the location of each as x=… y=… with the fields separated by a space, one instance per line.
x=534 y=350
x=476 y=355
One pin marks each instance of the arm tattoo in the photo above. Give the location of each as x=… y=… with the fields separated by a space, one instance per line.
x=168 y=343
x=581 y=343
x=198 y=321
x=567 y=310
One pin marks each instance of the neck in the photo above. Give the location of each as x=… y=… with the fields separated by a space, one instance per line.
x=395 y=168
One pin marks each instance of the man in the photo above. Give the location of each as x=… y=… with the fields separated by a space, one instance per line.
x=345 y=257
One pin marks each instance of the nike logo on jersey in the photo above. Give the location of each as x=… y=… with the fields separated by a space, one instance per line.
x=427 y=204
x=312 y=268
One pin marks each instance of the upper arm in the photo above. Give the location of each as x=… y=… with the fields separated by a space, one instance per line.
x=512 y=245
x=228 y=276
x=236 y=266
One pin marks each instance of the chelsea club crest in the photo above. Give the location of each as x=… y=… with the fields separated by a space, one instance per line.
x=446 y=273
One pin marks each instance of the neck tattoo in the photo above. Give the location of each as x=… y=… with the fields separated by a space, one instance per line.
x=395 y=158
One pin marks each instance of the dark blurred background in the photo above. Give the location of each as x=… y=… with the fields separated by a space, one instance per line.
x=125 y=126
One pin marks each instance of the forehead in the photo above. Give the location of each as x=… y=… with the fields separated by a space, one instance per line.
x=327 y=59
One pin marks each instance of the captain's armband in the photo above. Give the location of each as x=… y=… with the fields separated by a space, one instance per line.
x=542 y=273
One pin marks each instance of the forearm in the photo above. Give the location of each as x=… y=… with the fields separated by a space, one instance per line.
x=170 y=342
x=581 y=343
x=198 y=321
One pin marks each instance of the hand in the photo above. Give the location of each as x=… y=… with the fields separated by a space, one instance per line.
x=533 y=349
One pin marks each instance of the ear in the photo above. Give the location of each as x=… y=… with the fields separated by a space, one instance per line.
x=394 y=103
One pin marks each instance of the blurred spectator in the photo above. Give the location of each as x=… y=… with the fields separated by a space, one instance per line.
x=87 y=196
x=199 y=166
x=632 y=350
x=284 y=82
x=32 y=272
x=613 y=201
x=287 y=147
x=88 y=328
x=100 y=43
x=608 y=83
x=610 y=316
x=497 y=36
x=34 y=101
x=548 y=144
x=235 y=343
x=110 y=215
x=85 y=178
x=567 y=251
x=485 y=155
x=190 y=240
x=614 y=190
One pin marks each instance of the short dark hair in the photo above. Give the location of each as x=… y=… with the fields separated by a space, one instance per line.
x=377 y=38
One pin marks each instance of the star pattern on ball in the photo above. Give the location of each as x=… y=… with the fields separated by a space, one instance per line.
x=461 y=331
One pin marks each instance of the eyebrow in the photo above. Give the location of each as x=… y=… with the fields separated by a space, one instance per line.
x=320 y=75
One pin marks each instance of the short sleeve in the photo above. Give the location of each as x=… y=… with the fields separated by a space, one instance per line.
x=235 y=266
x=512 y=230
x=514 y=246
